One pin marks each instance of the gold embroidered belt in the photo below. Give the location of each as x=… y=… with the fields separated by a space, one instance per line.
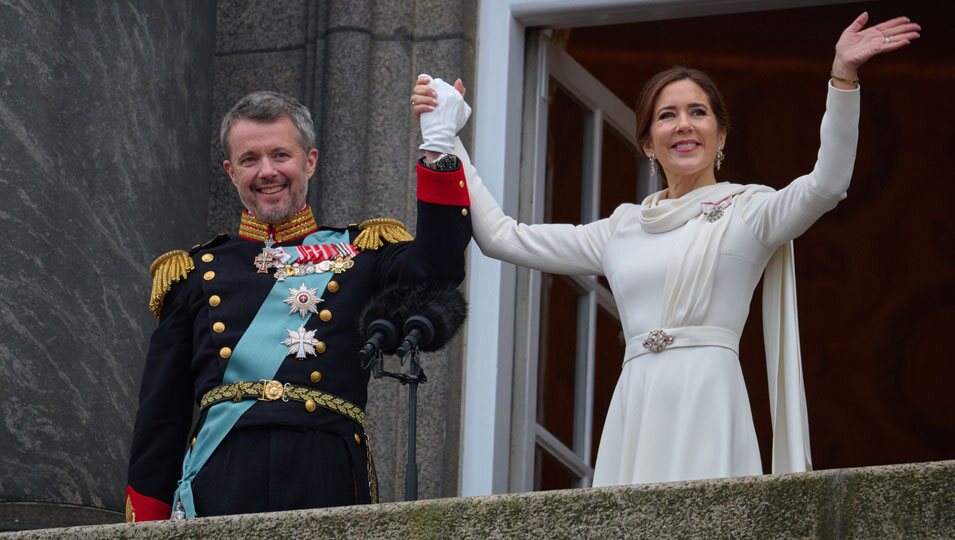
x=270 y=390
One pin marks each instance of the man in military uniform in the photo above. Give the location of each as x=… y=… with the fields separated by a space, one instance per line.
x=261 y=331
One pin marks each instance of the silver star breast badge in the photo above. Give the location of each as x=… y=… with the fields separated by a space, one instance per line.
x=303 y=300
x=301 y=342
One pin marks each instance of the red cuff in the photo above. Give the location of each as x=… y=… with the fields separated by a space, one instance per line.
x=143 y=508
x=447 y=188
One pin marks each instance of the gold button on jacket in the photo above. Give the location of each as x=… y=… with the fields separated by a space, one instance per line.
x=214 y=300
x=325 y=315
x=332 y=286
x=218 y=327
x=315 y=377
x=209 y=276
x=225 y=352
x=208 y=257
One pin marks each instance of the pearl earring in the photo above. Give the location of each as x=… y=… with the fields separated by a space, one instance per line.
x=719 y=157
x=653 y=163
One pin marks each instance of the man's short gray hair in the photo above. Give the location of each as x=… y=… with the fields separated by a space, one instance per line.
x=264 y=106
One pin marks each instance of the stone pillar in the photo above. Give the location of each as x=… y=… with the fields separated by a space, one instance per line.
x=104 y=122
x=353 y=62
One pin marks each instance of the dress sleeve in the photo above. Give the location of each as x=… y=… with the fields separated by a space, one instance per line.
x=165 y=412
x=780 y=216
x=554 y=248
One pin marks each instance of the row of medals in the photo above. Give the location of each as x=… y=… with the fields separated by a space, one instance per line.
x=303 y=300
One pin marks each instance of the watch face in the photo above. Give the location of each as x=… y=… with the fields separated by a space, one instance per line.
x=447 y=162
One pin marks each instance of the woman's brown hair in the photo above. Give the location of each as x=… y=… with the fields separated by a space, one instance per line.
x=656 y=84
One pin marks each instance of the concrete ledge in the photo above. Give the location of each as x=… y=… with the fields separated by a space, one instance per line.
x=896 y=501
x=20 y=515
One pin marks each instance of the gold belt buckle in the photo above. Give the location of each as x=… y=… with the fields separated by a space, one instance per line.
x=272 y=390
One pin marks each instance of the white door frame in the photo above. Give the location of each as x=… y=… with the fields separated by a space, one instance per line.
x=497 y=139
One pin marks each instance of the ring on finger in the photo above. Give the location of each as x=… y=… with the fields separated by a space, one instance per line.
x=412 y=102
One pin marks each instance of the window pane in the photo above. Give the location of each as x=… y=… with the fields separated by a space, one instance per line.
x=618 y=172
x=565 y=143
x=549 y=473
x=557 y=359
x=608 y=356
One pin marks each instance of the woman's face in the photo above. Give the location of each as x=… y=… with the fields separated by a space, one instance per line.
x=684 y=134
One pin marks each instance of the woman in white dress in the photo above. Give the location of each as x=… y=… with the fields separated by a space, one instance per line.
x=683 y=265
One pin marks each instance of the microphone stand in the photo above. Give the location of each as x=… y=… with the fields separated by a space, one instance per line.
x=412 y=378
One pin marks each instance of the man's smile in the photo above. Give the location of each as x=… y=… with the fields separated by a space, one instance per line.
x=271 y=189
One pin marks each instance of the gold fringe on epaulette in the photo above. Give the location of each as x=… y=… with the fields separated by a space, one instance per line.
x=167 y=269
x=377 y=231
x=130 y=513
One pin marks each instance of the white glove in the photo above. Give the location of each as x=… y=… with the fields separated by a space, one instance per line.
x=439 y=127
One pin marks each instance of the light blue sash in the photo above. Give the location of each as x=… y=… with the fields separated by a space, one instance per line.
x=257 y=356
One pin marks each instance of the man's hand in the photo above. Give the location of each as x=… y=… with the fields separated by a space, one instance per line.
x=441 y=111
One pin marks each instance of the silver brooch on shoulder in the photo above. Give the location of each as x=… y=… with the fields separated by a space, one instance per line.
x=714 y=211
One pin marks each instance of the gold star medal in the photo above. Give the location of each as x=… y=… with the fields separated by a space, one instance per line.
x=341 y=264
x=303 y=300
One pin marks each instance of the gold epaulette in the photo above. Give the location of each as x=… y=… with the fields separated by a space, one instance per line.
x=377 y=231
x=167 y=269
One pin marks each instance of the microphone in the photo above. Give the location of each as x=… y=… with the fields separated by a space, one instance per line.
x=433 y=317
x=379 y=321
x=383 y=334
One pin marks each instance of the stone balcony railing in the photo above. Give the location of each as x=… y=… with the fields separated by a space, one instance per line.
x=896 y=501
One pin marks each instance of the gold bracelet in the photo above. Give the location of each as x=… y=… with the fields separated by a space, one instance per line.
x=847 y=81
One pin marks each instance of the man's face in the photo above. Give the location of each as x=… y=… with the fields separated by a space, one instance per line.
x=269 y=168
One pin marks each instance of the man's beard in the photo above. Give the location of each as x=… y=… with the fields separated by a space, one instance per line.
x=278 y=215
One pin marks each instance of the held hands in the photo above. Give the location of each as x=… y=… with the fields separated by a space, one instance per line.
x=857 y=45
x=441 y=111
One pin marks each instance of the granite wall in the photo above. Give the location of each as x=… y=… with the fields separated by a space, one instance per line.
x=105 y=110
x=353 y=62
x=109 y=157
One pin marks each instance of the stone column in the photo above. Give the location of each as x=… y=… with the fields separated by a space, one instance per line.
x=104 y=121
x=353 y=62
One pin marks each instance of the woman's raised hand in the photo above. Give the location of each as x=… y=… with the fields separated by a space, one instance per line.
x=424 y=98
x=857 y=45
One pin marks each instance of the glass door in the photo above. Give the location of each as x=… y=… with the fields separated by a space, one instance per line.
x=579 y=162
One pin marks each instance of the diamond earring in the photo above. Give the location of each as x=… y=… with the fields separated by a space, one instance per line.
x=653 y=163
x=719 y=157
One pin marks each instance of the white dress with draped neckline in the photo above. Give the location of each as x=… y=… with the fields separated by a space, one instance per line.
x=682 y=413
